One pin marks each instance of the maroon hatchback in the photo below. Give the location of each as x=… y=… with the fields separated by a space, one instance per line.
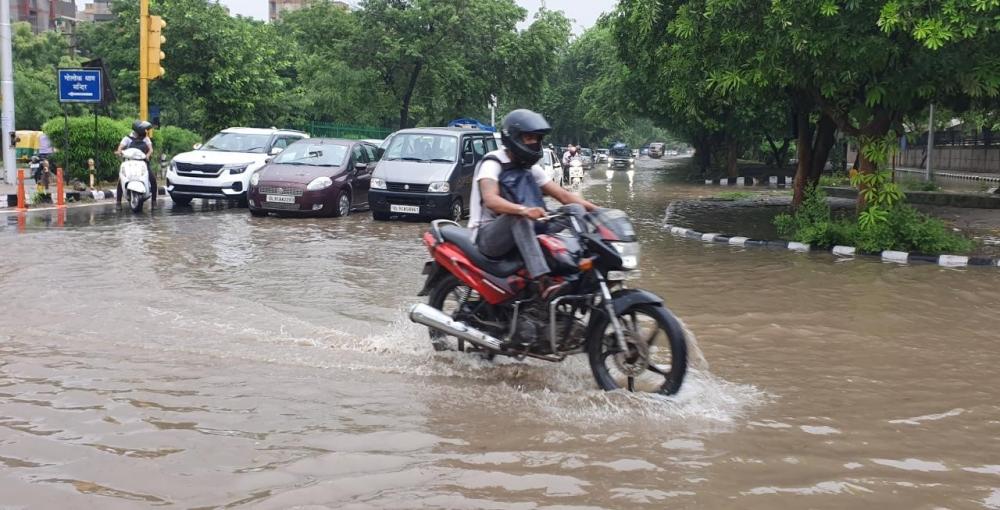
x=317 y=176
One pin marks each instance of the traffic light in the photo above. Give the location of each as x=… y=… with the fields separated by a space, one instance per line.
x=154 y=54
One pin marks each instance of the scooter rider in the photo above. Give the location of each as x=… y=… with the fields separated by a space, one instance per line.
x=507 y=194
x=567 y=160
x=139 y=139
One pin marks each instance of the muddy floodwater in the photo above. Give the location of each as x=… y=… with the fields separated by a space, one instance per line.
x=201 y=358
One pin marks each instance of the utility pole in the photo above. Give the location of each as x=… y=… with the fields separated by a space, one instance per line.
x=143 y=64
x=930 y=144
x=7 y=90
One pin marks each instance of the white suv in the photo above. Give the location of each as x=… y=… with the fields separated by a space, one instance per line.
x=221 y=168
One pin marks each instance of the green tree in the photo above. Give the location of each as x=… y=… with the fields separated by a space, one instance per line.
x=36 y=87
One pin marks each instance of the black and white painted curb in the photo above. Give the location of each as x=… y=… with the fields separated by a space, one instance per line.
x=900 y=257
x=770 y=180
x=10 y=200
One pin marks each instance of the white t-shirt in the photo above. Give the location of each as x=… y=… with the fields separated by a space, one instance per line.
x=128 y=141
x=489 y=169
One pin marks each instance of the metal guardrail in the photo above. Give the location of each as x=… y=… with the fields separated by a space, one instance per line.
x=336 y=130
x=984 y=138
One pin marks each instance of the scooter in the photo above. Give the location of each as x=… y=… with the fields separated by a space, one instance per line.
x=576 y=172
x=134 y=178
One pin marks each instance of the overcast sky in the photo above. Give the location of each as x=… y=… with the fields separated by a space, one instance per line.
x=585 y=12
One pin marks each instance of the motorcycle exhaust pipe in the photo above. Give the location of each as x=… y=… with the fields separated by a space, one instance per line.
x=436 y=319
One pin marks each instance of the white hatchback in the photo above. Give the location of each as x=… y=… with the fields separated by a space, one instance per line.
x=222 y=167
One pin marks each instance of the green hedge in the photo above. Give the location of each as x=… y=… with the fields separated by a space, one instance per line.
x=169 y=140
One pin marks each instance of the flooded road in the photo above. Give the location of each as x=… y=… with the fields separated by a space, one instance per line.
x=201 y=358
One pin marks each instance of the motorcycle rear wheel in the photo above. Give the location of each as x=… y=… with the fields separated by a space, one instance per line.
x=447 y=296
x=649 y=330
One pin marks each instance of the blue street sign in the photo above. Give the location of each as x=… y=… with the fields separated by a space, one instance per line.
x=80 y=86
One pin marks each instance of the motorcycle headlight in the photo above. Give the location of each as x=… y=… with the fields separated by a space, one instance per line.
x=631 y=160
x=255 y=179
x=439 y=187
x=320 y=183
x=629 y=253
x=237 y=169
x=377 y=183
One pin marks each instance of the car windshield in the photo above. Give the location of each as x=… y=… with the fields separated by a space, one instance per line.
x=587 y=152
x=422 y=147
x=547 y=160
x=305 y=153
x=237 y=142
x=621 y=151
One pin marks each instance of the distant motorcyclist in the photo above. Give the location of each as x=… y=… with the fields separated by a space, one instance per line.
x=567 y=159
x=138 y=139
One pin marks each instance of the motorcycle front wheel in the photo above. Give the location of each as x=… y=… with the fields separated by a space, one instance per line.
x=135 y=201
x=655 y=360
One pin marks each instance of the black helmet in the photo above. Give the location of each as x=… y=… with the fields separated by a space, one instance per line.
x=515 y=124
x=140 y=127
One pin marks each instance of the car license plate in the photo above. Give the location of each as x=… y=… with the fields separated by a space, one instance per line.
x=408 y=209
x=281 y=199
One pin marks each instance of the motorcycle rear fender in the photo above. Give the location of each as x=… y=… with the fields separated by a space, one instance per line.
x=137 y=187
x=626 y=298
x=434 y=272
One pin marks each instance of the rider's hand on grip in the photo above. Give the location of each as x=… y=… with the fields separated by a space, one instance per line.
x=535 y=213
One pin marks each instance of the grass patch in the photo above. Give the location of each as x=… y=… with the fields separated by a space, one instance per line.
x=905 y=229
x=918 y=185
x=834 y=179
x=735 y=195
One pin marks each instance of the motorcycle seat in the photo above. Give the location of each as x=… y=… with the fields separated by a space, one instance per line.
x=462 y=237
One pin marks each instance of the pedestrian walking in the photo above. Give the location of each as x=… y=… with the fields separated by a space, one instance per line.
x=44 y=177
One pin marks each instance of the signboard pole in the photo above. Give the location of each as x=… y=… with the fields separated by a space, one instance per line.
x=66 y=139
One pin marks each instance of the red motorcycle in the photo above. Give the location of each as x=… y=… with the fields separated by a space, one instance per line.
x=477 y=303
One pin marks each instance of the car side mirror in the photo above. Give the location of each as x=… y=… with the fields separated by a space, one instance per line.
x=468 y=158
x=275 y=151
x=268 y=160
x=196 y=146
x=361 y=166
x=379 y=152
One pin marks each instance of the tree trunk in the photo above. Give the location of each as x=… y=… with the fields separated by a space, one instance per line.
x=404 y=111
x=732 y=155
x=826 y=131
x=803 y=151
x=778 y=153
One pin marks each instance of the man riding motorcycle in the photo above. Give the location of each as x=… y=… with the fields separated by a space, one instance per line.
x=138 y=139
x=507 y=196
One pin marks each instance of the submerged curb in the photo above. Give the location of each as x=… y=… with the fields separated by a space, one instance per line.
x=899 y=257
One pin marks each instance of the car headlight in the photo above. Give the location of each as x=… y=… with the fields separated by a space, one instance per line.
x=439 y=187
x=255 y=179
x=320 y=183
x=237 y=169
x=377 y=183
x=173 y=166
x=629 y=253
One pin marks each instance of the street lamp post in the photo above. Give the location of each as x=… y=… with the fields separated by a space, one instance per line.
x=7 y=90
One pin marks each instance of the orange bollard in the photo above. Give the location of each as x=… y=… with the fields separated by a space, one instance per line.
x=60 y=191
x=61 y=217
x=22 y=203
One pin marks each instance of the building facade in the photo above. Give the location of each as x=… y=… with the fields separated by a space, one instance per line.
x=45 y=15
x=98 y=10
x=277 y=7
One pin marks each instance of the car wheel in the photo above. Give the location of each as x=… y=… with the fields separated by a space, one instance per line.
x=343 y=205
x=456 y=211
x=380 y=216
x=181 y=201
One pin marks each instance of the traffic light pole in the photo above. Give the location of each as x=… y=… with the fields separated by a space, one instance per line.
x=143 y=59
